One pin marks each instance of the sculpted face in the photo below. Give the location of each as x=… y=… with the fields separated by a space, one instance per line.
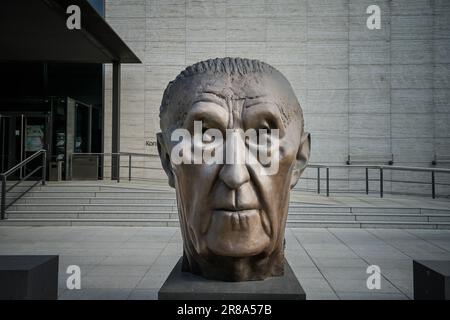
x=233 y=215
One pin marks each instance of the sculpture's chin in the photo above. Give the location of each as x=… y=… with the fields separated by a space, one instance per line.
x=237 y=233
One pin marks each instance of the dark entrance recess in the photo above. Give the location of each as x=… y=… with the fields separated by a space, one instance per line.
x=22 y=135
x=42 y=61
x=60 y=125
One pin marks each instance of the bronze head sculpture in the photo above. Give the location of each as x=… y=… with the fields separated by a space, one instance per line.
x=233 y=214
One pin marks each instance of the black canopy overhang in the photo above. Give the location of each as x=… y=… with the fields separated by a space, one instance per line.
x=35 y=30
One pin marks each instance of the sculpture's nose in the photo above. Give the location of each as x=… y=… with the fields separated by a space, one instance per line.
x=234 y=175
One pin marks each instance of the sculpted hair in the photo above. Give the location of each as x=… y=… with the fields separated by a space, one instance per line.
x=228 y=66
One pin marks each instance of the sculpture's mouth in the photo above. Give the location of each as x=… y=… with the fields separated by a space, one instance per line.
x=240 y=219
x=238 y=233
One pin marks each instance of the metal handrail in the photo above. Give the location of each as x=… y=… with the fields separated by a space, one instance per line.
x=111 y=154
x=18 y=166
x=328 y=167
x=381 y=169
x=362 y=166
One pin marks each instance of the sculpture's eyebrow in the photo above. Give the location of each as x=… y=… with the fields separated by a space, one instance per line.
x=264 y=101
x=210 y=96
x=252 y=101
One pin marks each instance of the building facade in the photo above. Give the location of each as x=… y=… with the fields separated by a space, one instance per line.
x=364 y=92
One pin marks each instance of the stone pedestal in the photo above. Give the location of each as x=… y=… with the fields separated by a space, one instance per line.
x=28 y=277
x=186 y=286
x=431 y=280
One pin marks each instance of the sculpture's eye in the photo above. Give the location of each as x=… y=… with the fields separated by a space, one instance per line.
x=207 y=136
x=263 y=131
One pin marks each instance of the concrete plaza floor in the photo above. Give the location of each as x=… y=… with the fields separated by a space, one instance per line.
x=133 y=262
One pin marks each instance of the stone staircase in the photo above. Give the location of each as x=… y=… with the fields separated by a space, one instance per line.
x=124 y=204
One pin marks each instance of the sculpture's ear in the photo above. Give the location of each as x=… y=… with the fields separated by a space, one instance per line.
x=302 y=158
x=165 y=158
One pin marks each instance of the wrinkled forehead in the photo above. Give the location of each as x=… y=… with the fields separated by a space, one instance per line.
x=272 y=88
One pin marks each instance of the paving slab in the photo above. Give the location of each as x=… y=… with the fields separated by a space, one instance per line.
x=133 y=262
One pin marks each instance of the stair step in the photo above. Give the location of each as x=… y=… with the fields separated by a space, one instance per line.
x=92 y=207
x=95 y=200
x=98 y=188
x=321 y=216
x=92 y=222
x=128 y=205
x=63 y=203
x=91 y=215
x=127 y=194
x=174 y=222
x=367 y=224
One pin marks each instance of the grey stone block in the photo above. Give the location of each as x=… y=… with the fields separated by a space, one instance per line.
x=322 y=8
x=409 y=150
x=28 y=277
x=412 y=52
x=206 y=29
x=441 y=27
x=285 y=53
x=245 y=9
x=441 y=76
x=442 y=125
x=369 y=125
x=412 y=101
x=166 y=9
x=124 y=9
x=442 y=100
x=369 y=52
x=328 y=28
x=165 y=53
x=327 y=53
x=369 y=101
x=186 y=286
x=285 y=29
x=369 y=76
x=327 y=77
x=286 y=8
x=411 y=27
x=245 y=29
x=369 y=146
x=431 y=280
x=412 y=125
x=166 y=29
x=441 y=7
x=443 y=146
x=411 y=76
x=206 y=8
x=326 y=101
x=441 y=48
x=411 y=7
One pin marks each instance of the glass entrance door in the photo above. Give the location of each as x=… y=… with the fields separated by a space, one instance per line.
x=5 y=123
x=21 y=136
x=11 y=127
x=35 y=138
